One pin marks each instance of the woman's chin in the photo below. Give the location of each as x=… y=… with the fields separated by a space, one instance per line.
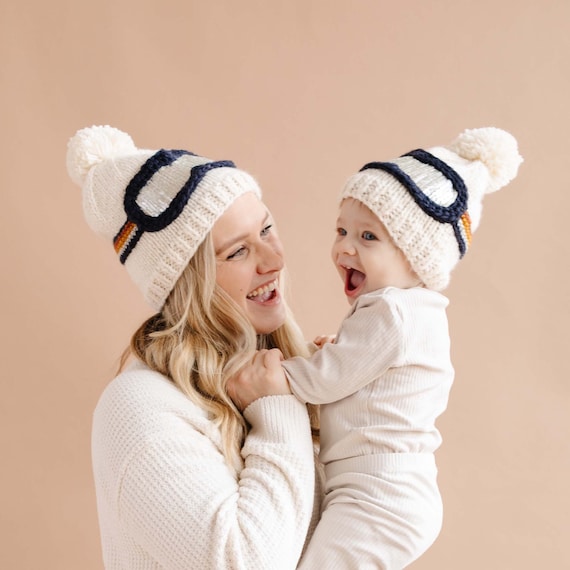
x=266 y=319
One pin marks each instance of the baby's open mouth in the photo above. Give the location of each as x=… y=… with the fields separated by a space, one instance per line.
x=354 y=279
x=263 y=294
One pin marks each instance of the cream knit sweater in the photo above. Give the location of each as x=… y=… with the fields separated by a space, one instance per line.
x=166 y=498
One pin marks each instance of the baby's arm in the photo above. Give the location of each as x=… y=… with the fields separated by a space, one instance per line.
x=368 y=343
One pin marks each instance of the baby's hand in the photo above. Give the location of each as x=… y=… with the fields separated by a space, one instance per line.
x=263 y=376
x=321 y=340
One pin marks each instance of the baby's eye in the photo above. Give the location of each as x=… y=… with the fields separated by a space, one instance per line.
x=341 y=231
x=237 y=253
x=265 y=231
x=368 y=236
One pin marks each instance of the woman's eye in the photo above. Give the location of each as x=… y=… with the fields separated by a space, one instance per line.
x=265 y=231
x=237 y=253
x=368 y=236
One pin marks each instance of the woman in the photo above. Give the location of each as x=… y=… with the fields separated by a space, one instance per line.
x=183 y=479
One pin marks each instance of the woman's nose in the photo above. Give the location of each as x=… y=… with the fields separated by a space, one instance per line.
x=270 y=258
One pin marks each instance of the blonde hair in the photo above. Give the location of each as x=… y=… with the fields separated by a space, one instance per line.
x=201 y=338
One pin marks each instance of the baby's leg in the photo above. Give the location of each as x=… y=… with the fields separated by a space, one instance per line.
x=348 y=537
x=382 y=521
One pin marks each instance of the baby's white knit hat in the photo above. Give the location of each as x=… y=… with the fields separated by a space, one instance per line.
x=156 y=206
x=431 y=201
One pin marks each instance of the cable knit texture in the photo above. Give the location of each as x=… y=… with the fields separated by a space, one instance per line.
x=166 y=498
x=431 y=201
x=155 y=207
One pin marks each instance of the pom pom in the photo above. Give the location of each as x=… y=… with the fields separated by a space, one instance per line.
x=495 y=148
x=93 y=145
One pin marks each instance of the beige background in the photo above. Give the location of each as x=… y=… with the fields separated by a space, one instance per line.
x=301 y=93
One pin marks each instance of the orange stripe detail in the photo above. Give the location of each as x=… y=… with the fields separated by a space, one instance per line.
x=466 y=220
x=124 y=236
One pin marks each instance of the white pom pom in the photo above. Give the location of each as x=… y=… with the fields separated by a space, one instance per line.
x=93 y=145
x=495 y=148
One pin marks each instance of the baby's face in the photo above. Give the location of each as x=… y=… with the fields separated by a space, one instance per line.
x=365 y=255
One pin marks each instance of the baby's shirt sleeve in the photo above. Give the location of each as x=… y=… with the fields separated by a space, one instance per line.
x=369 y=341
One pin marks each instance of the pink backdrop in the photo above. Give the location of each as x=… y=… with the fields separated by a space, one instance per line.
x=301 y=94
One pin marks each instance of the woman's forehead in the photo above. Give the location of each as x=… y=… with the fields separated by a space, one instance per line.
x=244 y=217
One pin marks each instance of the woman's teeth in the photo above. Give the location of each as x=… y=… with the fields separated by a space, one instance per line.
x=263 y=291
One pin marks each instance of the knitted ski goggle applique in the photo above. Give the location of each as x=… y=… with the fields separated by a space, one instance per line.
x=455 y=214
x=138 y=222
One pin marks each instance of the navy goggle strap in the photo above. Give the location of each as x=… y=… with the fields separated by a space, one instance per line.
x=138 y=222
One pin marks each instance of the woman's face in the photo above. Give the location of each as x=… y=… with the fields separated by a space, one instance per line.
x=249 y=259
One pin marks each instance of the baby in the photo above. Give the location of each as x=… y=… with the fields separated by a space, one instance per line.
x=402 y=227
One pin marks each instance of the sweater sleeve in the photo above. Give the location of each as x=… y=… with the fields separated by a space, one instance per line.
x=370 y=341
x=182 y=504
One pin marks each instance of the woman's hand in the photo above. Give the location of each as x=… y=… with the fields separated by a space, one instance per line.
x=263 y=376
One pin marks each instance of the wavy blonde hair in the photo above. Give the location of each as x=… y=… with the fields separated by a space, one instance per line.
x=201 y=338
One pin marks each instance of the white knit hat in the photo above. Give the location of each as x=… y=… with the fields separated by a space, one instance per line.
x=156 y=206
x=430 y=201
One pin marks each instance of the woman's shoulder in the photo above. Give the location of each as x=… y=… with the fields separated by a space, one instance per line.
x=139 y=386
x=142 y=416
x=143 y=403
